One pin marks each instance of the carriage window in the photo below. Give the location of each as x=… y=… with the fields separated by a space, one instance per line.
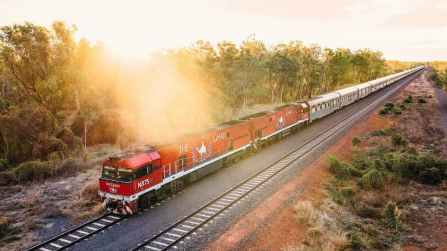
x=228 y=134
x=270 y=119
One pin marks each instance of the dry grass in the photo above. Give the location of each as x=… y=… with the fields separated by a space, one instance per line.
x=4 y=226
x=371 y=198
x=87 y=203
x=323 y=231
x=90 y=191
x=305 y=212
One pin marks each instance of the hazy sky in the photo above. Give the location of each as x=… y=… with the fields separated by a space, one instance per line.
x=401 y=29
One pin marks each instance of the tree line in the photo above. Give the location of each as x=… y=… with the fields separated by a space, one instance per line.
x=56 y=90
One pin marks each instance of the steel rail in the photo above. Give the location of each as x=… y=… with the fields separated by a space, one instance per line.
x=78 y=233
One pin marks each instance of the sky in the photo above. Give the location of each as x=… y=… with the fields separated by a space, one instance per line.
x=410 y=30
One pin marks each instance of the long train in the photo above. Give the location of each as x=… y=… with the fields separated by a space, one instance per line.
x=133 y=180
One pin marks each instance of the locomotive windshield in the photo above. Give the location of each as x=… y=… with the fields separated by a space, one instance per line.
x=119 y=174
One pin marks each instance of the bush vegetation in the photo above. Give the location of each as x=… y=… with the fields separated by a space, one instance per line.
x=37 y=170
x=356 y=141
x=408 y=99
x=3 y=165
x=439 y=77
x=7 y=231
x=392 y=216
x=422 y=100
x=396 y=109
x=362 y=183
x=341 y=169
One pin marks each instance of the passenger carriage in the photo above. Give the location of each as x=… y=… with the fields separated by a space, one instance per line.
x=324 y=105
x=348 y=95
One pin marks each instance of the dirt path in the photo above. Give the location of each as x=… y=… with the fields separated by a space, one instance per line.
x=273 y=225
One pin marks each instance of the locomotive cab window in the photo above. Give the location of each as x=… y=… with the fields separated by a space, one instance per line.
x=143 y=171
x=118 y=174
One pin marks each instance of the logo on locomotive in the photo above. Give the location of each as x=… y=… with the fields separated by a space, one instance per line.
x=143 y=183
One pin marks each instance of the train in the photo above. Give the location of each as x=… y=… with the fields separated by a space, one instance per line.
x=135 y=179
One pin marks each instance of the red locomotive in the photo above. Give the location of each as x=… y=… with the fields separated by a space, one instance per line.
x=133 y=180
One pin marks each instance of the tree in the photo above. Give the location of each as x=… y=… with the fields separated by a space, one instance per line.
x=282 y=71
x=251 y=67
x=39 y=62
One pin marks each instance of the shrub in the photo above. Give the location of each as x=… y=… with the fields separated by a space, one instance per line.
x=347 y=192
x=342 y=169
x=368 y=212
x=33 y=170
x=386 y=109
x=397 y=111
x=336 y=195
x=7 y=178
x=4 y=164
x=408 y=99
x=389 y=105
x=431 y=176
x=69 y=167
x=314 y=235
x=392 y=216
x=305 y=212
x=357 y=241
x=389 y=131
x=356 y=141
x=378 y=133
x=390 y=160
x=362 y=162
x=4 y=226
x=373 y=178
x=390 y=108
x=398 y=140
x=384 y=112
x=424 y=168
x=422 y=101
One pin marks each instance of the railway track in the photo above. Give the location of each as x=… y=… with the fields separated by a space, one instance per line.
x=172 y=237
x=78 y=233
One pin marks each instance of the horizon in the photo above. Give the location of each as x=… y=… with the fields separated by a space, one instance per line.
x=402 y=30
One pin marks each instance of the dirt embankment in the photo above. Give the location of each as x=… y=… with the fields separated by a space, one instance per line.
x=316 y=211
